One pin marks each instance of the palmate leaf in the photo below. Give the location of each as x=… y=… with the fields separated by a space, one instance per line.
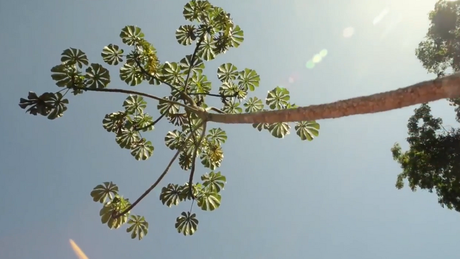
x=260 y=126
x=139 y=227
x=206 y=49
x=214 y=182
x=185 y=160
x=195 y=10
x=73 y=56
x=131 y=35
x=232 y=107
x=171 y=73
x=227 y=72
x=142 y=149
x=170 y=195
x=114 y=121
x=254 y=104
x=199 y=83
x=279 y=129
x=174 y=139
x=112 y=54
x=134 y=104
x=97 y=76
x=277 y=98
x=167 y=108
x=131 y=74
x=178 y=119
x=216 y=136
x=143 y=122
x=111 y=208
x=212 y=157
x=63 y=74
x=307 y=130
x=208 y=200
x=186 y=62
x=126 y=138
x=236 y=36
x=103 y=192
x=185 y=35
x=248 y=79
x=48 y=104
x=187 y=223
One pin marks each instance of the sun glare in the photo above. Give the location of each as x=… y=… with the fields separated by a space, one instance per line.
x=77 y=250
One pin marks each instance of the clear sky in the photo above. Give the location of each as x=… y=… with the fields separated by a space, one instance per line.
x=285 y=198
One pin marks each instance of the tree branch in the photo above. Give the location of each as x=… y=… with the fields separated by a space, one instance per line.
x=134 y=92
x=423 y=92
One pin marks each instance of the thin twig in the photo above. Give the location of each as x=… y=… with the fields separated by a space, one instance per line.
x=192 y=60
x=133 y=92
x=192 y=171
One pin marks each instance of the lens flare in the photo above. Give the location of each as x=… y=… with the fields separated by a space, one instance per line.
x=348 y=32
x=77 y=250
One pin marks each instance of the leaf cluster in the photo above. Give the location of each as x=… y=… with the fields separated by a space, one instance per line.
x=212 y=32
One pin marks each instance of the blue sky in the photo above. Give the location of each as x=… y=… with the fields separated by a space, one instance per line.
x=330 y=198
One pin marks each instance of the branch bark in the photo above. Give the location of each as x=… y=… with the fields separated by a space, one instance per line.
x=423 y=92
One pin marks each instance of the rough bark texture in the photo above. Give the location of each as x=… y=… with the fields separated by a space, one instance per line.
x=424 y=92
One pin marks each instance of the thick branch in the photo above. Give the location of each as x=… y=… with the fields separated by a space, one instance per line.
x=423 y=92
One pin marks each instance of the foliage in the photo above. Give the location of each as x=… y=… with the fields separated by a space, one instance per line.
x=213 y=32
x=432 y=161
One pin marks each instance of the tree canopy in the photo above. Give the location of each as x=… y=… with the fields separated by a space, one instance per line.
x=189 y=108
x=432 y=161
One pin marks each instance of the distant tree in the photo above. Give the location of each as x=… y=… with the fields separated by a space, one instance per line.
x=433 y=159
x=186 y=107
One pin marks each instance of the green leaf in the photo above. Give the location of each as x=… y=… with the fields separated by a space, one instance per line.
x=170 y=195
x=143 y=122
x=279 y=129
x=185 y=160
x=142 y=149
x=236 y=36
x=117 y=205
x=307 y=130
x=206 y=49
x=186 y=223
x=196 y=10
x=209 y=200
x=73 y=56
x=134 y=104
x=114 y=121
x=212 y=157
x=260 y=126
x=112 y=54
x=174 y=139
x=131 y=35
x=232 y=107
x=248 y=79
x=167 y=108
x=227 y=72
x=199 y=84
x=217 y=136
x=139 y=227
x=63 y=75
x=172 y=73
x=97 y=76
x=131 y=74
x=103 y=192
x=197 y=65
x=214 y=182
x=57 y=103
x=253 y=105
x=185 y=35
x=277 y=98
x=126 y=138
